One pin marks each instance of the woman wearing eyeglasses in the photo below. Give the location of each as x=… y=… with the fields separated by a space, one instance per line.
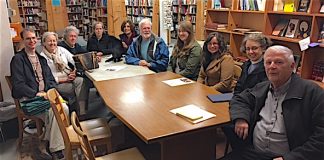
x=61 y=64
x=217 y=67
x=253 y=45
x=185 y=58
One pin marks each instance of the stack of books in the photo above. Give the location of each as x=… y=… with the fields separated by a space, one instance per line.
x=318 y=71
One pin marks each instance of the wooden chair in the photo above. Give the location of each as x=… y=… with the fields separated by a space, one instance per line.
x=237 y=72
x=22 y=118
x=128 y=154
x=97 y=129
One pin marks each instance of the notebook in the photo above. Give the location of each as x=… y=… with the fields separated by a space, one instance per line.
x=192 y=113
x=220 y=97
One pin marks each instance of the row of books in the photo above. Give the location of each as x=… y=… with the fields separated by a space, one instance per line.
x=184 y=2
x=291 y=5
x=318 y=71
x=139 y=2
x=35 y=3
x=140 y=11
x=216 y=25
x=292 y=28
x=252 y=5
x=73 y=2
x=221 y=4
x=184 y=9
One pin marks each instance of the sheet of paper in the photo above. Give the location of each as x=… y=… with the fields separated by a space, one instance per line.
x=178 y=81
x=115 y=68
x=194 y=109
x=303 y=44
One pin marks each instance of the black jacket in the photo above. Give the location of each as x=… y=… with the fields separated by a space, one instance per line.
x=24 y=82
x=107 y=44
x=250 y=80
x=76 y=50
x=303 y=112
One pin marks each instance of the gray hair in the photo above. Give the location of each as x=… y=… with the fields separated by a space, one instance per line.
x=96 y=23
x=46 y=34
x=144 y=21
x=69 y=29
x=288 y=53
x=260 y=38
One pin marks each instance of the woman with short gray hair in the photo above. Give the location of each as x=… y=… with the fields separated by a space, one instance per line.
x=70 y=38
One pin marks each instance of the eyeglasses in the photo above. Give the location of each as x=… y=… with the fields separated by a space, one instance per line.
x=254 y=48
x=212 y=44
x=30 y=38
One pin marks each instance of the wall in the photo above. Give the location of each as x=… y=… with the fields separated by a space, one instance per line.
x=6 y=51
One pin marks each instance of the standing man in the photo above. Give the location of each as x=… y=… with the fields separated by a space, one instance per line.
x=148 y=50
x=283 y=118
x=70 y=36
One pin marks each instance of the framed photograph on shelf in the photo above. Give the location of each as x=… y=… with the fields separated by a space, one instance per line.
x=303 y=5
x=291 y=28
x=322 y=8
x=304 y=29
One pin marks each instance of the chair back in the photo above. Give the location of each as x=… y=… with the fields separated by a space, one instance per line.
x=61 y=118
x=83 y=138
x=22 y=117
x=20 y=113
x=237 y=72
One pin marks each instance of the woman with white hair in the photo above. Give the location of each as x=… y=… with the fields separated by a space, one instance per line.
x=61 y=64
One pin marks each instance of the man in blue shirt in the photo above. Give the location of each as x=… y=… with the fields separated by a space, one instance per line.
x=148 y=50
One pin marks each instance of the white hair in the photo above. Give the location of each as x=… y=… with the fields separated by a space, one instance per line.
x=284 y=50
x=69 y=29
x=145 y=21
x=46 y=34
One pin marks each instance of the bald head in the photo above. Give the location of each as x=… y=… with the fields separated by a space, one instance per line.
x=279 y=64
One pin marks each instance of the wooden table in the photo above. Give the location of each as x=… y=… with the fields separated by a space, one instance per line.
x=143 y=104
x=101 y=73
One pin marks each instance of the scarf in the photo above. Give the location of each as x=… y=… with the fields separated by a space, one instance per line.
x=57 y=59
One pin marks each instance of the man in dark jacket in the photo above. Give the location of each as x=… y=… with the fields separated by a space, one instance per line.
x=103 y=43
x=31 y=77
x=30 y=73
x=282 y=118
x=148 y=50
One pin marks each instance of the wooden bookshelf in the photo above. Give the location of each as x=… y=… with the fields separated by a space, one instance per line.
x=265 y=20
x=32 y=15
x=136 y=10
x=75 y=14
x=188 y=10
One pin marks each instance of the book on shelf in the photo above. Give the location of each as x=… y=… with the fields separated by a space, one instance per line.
x=289 y=6
x=216 y=25
x=303 y=5
x=321 y=35
x=278 y=5
x=192 y=113
x=242 y=30
x=280 y=27
x=291 y=28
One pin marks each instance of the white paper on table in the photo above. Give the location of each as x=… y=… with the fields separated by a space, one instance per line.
x=178 y=81
x=115 y=68
x=303 y=44
x=195 y=109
